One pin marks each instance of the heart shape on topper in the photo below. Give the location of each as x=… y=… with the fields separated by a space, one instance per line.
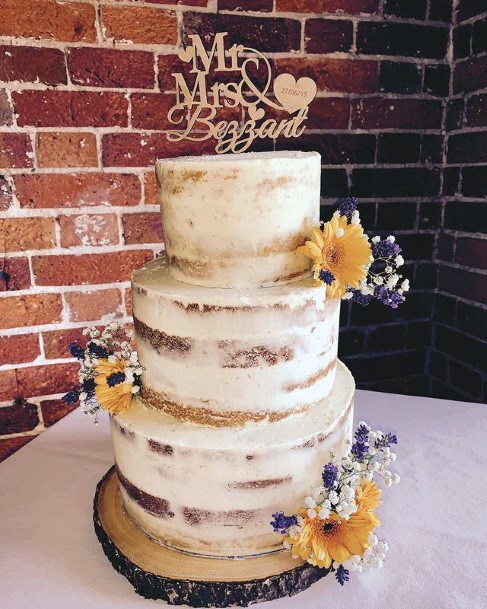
x=294 y=95
x=186 y=54
x=256 y=113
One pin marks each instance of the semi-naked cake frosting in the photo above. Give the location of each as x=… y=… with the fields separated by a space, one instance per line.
x=243 y=398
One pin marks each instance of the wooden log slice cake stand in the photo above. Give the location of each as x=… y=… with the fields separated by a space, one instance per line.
x=160 y=572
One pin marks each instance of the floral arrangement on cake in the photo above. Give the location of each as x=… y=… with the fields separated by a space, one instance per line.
x=110 y=373
x=352 y=266
x=335 y=529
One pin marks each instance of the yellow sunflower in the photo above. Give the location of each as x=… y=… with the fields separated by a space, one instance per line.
x=320 y=542
x=341 y=249
x=114 y=398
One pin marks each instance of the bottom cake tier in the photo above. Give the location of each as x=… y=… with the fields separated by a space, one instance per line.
x=212 y=491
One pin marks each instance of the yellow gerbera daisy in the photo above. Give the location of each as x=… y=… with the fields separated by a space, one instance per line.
x=117 y=397
x=320 y=542
x=368 y=496
x=342 y=249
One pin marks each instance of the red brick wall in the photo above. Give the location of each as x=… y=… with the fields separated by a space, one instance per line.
x=82 y=114
x=459 y=355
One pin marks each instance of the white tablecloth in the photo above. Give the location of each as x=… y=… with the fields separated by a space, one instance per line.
x=435 y=520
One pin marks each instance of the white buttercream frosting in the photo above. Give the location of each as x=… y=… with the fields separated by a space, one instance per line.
x=221 y=486
x=236 y=220
x=263 y=352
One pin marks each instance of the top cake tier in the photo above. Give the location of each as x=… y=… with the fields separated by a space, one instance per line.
x=236 y=220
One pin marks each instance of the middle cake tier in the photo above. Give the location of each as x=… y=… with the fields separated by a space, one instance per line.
x=226 y=357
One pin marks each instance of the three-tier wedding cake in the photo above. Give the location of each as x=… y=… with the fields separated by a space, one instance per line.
x=243 y=398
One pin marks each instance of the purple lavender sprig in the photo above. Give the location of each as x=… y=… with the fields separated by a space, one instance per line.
x=281 y=523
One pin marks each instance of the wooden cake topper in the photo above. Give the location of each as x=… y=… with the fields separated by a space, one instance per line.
x=198 y=98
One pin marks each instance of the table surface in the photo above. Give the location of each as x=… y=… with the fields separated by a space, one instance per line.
x=435 y=519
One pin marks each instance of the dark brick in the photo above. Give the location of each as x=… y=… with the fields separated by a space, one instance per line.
x=376 y=38
x=429 y=214
x=407 y=182
x=392 y=216
x=392 y=386
x=32 y=64
x=269 y=35
x=418 y=385
x=446 y=246
x=94 y=67
x=383 y=367
x=471 y=252
x=417 y=246
x=333 y=74
x=462 y=37
x=437 y=80
x=372 y=314
x=334 y=183
x=438 y=365
x=351 y=342
x=328 y=113
x=431 y=149
x=386 y=338
x=440 y=10
x=419 y=334
x=344 y=313
x=445 y=309
x=451 y=175
x=454 y=114
x=463 y=347
x=9 y=446
x=471 y=319
x=470 y=8
x=396 y=77
x=367 y=213
x=327 y=35
x=474 y=181
x=379 y=112
x=465 y=379
x=263 y=6
x=411 y=9
x=470 y=75
x=426 y=276
x=468 y=147
x=479 y=36
x=398 y=148
x=15 y=274
x=446 y=392
x=22 y=416
x=341 y=149
x=476 y=112
x=54 y=410
x=461 y=282
x=418 y=305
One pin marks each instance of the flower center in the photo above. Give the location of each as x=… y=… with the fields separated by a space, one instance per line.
x=333 y=256
x=330 y=528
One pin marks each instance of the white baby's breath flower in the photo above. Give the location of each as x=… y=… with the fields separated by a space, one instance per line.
x=375 y=239
x=347 y=296
x=399 y=260
x=388 y=270
x=340 y=232
x=309 y=502
x=378 y=280
x=355 y=219
x=392 y=280
x=391 y=238
x=311 y=513
x=405 y=285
